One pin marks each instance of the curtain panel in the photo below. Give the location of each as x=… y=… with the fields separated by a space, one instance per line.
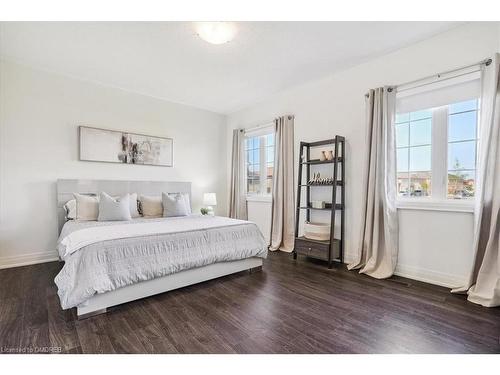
x=237 y=189
x=283 y=204
x=378 y=248
x=483 y=284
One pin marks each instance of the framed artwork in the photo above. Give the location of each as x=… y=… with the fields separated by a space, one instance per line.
x=113 y=146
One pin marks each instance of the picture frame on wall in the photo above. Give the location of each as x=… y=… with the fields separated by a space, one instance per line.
x=113 y=146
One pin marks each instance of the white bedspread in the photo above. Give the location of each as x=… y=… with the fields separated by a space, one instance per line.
x=103 y=256
x=77 y=239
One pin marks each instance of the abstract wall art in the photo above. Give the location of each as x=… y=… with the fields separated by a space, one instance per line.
x=124 y=147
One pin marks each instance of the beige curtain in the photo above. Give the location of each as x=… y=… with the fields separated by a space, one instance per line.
x=483 y=285
x=283 y=210
x=378 y=249
x=237 y=189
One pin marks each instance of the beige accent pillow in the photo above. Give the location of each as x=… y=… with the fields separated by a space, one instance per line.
x=151 y=206
x=87 y=207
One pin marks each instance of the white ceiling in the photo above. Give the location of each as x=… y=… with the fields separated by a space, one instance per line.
x=167 y=60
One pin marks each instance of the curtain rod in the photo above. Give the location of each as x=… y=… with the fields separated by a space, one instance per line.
x=485 y=62
x=258 y=127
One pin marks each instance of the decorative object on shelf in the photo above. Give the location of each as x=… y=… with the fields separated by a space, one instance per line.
x=204 y=211
x=318 y=240
x=113 y=146
x=318 y=204
x=210 y=200
x=317 y=180
x=326 y=155
x=317 y=231
x=314 y=179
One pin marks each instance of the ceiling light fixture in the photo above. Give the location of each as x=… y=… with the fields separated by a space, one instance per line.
x=216 y=32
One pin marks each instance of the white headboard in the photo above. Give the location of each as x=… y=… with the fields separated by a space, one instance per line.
x=66 y=188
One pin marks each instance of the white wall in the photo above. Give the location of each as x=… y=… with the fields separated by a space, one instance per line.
x=259 y=211
x=435 y=246
x=40 y=113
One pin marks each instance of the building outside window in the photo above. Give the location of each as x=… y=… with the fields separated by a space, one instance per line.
x=259 y=159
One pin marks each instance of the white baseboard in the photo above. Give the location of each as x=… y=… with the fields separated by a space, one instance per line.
x=424 y=275
x=27 y=259
x=429 y=276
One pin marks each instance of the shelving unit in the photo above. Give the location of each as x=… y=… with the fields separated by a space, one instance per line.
x=333 y=249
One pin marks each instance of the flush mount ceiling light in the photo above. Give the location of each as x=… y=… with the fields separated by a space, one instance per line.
x=216 y=32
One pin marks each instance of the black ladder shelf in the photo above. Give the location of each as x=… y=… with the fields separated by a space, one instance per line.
x=333 y=249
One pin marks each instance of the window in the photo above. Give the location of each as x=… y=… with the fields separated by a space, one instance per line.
x=436 y=128
x=259 y=154
x=462 y=149
x=414 y=150
x=437 y=150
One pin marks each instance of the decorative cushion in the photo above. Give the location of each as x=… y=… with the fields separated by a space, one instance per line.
x=185 y=196
x=134 y=207
x=87 y=207
x=111 y=209
x=174 y=205
x=151 y=206
x=187 y=201
x=70 y=209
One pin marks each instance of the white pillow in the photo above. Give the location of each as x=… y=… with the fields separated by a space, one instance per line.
x=111 y=209
x=186 y=200
x=174 y=205
x=70 y=209
x=134 y=211
x=151 y=206
x=87 y=207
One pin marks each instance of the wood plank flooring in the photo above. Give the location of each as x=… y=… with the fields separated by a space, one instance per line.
x=289 y=307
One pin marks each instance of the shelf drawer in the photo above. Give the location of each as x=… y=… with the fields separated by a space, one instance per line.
x=315 y=250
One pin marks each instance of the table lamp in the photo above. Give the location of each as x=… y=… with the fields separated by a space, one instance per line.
x=210 y=200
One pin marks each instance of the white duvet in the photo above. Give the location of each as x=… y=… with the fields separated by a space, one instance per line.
x=103 y=256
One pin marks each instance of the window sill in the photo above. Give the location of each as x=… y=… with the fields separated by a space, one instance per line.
x=259 y=198
x=430 y=205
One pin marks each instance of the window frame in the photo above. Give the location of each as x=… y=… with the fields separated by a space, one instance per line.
x=438 y=199
x=262 y=131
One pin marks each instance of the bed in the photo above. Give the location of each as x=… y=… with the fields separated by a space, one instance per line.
x=113 y=262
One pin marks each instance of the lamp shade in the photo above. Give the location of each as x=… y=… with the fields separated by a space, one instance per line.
x=210 y=199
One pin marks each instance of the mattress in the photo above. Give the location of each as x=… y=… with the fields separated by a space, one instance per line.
x=103 y=256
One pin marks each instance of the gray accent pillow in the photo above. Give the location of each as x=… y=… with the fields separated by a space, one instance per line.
x=70 y=209
x=188 y=203
x=174 y=205
x=134 y=205
x=114 y=209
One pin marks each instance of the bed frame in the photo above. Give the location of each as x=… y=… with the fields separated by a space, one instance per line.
x=99 y=303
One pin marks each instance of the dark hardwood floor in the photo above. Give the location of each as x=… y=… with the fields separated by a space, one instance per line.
x=289 y=307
